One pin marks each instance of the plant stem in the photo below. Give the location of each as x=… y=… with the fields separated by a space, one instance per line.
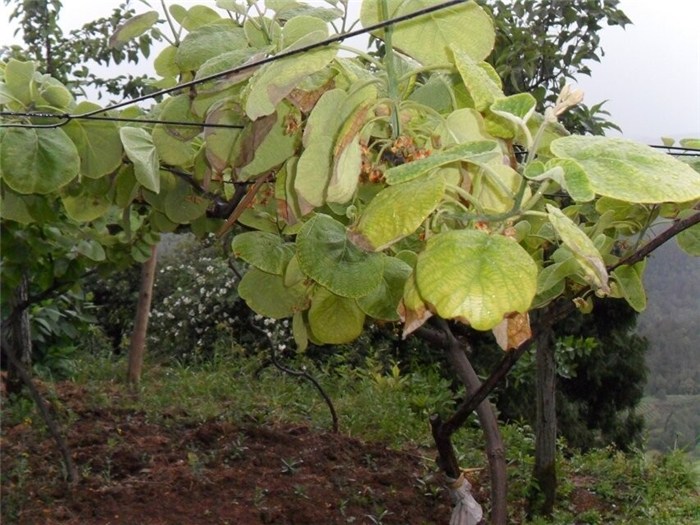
x=392 y=81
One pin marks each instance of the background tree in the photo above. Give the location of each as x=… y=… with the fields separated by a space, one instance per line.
x=541 y=45
x=68 y=57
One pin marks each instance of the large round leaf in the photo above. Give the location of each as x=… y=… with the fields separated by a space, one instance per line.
x=427 y=38
x=383 y=302
x=476 y=277
x=98 y=143
x=267 y=295
x=37 y=160
x=326 y=255
x=266 y=251
x=398 y=211
x=333 y=319
x=209 y=41
x=629 y=171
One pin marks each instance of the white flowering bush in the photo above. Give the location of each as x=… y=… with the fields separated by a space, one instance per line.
x=195 y=308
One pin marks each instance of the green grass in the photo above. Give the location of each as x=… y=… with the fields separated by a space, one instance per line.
x=378 y=403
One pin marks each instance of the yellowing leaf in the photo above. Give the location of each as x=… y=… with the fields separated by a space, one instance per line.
x=427 y=38
x=267 y=295
x=629 y=171
x=397 y=211
x=585 y=252
x=475 y=277
x=334 y=319
x=412 y=310
x=482 y=87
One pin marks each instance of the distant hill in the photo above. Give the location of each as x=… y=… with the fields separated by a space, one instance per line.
x=672 y=322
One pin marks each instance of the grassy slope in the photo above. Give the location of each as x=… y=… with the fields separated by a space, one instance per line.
x=381 y=405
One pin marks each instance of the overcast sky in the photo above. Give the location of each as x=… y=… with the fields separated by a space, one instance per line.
x=650 y=73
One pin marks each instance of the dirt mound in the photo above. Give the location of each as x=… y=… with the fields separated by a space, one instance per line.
x=167 y=471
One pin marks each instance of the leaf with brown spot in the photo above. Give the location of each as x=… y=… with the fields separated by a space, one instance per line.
x=513 y=331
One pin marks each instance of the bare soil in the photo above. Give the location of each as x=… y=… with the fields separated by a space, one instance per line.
x=169 y=471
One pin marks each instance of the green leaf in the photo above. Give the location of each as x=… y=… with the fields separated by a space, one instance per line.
x=138 y=145
x=182 y=204
x=287 y=10
x=628 y=171
x=194 y=17
x=93 y=250
x=300 y=27
x=266 y=251
x=462 y=126
x=220 y=142
x=481 y=85
x=224 y=62
x=56 y=94
x=690 y=143
x=14 y=207
x=585 y=252
x=397 y=211
x=164 y=64
x=133 y=27
x=516 y=108
x=207 y=42
x=276 y=80
x=299 y=332
x=689 y=240
x=629 y=278
x=478 y=152
x=427 y=38
x=97 y=142
x=553 y=274
x=86 y=205
x=333 y=319
x=19 y=78
x=383 y=302
x=266 y=294
x=37 y=160
x=326 y=255
x=574 y=179
x=174 y=143
x=476 y=277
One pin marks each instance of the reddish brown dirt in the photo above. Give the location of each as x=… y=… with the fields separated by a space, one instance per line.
x=137 y=471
